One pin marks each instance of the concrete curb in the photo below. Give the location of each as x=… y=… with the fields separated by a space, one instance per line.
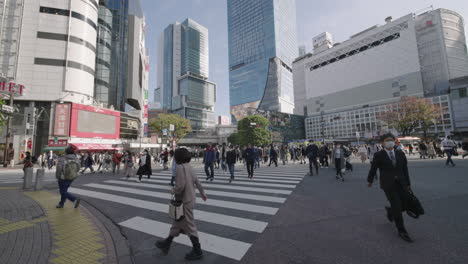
x=121 y=245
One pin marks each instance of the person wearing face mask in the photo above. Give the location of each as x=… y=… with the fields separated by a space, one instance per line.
x=338 y=157
x=394 y=180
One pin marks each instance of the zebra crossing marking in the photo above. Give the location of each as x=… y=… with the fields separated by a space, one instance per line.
x=257 y=197
x=231 y=187
x=220 y=219
x=210 y=202
x=251 y=183
x=226 y=247
x=242 y=179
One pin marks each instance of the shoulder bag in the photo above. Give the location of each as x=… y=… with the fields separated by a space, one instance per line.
x=176 y=207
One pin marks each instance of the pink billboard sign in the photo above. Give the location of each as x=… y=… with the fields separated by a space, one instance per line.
x=62 y=120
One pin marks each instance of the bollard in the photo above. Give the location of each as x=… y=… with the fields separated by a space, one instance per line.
x=39 y=179
x=12 y=163
x=28 y=177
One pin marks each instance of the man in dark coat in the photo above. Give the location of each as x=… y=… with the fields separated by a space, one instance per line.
x=394 y=180
x=312 y=154
x=250 y=157
x=273 y=156
x=209 y=160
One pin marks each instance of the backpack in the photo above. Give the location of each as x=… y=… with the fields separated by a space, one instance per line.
x=70 y=170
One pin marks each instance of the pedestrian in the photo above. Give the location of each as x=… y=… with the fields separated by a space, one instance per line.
x=449 y=145
x=218 y=158
x=165 y=159
x=209 y=159
x=394 y=181
x=67 y=170
x=250 y=158
x=265 y=154
x=129 y=163
x=231 y=161
x=273 y=156
x=283 y=154
x=116 y=160
x=88 y=163
x=174 y=169
x=50 y=159
x=338 y=157
x=145 y=165
x=362 y=150
x=465 y=149
x=323 y=155
x=312 y=153
x=106 y=162
x=431 y=153
x=223 y=158
x=422 y=150
x=184 y=191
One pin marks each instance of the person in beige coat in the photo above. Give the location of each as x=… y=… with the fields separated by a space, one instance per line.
x=184 y=190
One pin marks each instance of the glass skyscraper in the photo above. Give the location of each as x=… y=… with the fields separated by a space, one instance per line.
x=262 y=47
x=183 y=73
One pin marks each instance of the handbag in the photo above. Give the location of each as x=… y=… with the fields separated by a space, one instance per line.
x=413 y=205
x=176 y=209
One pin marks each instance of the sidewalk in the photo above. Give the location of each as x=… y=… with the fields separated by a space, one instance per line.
x=33 y=231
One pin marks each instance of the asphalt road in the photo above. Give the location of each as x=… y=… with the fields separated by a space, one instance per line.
x=285 y=217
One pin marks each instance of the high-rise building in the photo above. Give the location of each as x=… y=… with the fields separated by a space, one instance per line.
x=345 y=86
x=65 y=52
x=183 y=73
x=302 y=50
x=262 y=47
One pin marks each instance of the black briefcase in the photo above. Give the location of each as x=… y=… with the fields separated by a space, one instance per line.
x=413 y=205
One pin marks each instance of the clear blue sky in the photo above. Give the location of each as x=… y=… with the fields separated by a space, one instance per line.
x=342 y=18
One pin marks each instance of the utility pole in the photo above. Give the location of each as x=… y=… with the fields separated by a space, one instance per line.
x=8 y=136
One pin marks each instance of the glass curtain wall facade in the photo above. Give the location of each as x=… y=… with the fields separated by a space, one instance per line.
x=103 y=57
x=262 y=46
x=111 y=61
x=184 y=70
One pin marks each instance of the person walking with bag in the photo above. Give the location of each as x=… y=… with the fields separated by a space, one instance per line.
x=394 y=181
x=66 y=172
x=184 y=191
x=129 y=162
x=145 y=166
x=338 y=157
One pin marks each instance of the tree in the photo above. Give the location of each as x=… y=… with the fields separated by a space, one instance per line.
x=234 y=139
x=181 y=126
x=410 y=114
x=254 y=130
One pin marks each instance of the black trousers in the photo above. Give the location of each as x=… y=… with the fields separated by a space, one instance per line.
x=250 y=167
x=274 y=161
x=209 y=165
x=313 y=161
x=324 y=161
x=396 y=196
x=338 y=167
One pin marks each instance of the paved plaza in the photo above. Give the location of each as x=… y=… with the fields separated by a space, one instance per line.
x=281 y=216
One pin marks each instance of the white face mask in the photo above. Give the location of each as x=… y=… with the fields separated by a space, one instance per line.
x=389 y=144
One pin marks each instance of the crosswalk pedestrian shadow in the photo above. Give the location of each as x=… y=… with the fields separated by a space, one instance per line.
x=234 y=215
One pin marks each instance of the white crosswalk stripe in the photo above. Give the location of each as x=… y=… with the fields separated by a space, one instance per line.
x=245 y=204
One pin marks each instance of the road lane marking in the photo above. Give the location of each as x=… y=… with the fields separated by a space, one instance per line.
x=220 y=219
x=226 y=247
x=211 y=202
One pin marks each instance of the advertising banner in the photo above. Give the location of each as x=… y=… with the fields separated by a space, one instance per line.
x=62 y=120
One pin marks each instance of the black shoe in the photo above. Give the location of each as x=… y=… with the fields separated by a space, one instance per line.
x=389 y=214
x=77 y=202
x=405 y=237
x=59 y=206
x=212 y=178
x=196 y=252
x=164 y=245
x=207 y=178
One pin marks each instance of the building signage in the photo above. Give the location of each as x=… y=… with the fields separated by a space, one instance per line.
x=62 y=120
x=57 y=143
x=11 y=88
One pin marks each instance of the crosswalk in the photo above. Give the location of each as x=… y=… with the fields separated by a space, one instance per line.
x=17 y=177
x=244 y=206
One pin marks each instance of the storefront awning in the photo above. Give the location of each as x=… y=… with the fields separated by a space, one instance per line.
x=95 y=146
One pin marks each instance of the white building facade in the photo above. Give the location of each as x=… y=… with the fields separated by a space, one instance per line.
x=415 y=55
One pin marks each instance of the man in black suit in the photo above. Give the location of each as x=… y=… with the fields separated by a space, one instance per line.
x=312 y=153
x=394 y=180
